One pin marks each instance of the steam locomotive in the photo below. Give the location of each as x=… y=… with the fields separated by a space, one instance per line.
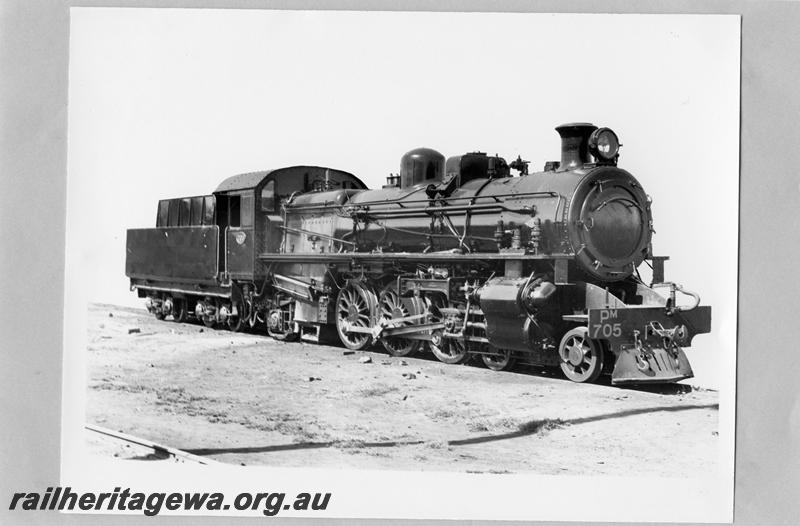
x=455 y=255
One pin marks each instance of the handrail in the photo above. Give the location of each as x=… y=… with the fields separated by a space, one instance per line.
x=673 y=287
x=496 y=198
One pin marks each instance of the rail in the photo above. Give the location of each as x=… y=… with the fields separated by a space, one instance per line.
x=156 y=447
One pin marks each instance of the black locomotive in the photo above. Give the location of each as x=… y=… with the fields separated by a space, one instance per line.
x=455 y=255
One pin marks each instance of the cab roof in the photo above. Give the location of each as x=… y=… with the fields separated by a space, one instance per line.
x=250 y=180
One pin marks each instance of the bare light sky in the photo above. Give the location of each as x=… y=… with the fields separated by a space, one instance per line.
x=165 y=103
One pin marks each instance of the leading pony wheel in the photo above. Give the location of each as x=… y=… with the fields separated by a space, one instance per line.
x=581 y=357
x=356 y=306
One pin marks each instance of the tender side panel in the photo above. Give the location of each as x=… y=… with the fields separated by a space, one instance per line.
x=175 y=254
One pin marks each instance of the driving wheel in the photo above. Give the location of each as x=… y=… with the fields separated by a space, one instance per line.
x=355 y=309
x=392 y=307
x=448 y=350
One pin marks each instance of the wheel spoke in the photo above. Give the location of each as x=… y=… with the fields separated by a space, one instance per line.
x=355 y=308
x=576 y=346
x=392 y=307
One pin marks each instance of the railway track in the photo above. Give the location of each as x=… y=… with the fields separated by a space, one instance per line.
x=159 y=450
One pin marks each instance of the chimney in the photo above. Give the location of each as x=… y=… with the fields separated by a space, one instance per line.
x=575 y=145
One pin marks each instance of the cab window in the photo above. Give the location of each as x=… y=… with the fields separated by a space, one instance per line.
x=247 y=210
x=268 y=197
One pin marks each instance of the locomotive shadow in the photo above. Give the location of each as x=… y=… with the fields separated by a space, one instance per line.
x=531 y=427
x=673 y=389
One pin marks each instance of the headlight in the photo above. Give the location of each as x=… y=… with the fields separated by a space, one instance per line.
x=604 y=144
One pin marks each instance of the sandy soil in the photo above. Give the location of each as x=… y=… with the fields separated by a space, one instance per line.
x=247 y=399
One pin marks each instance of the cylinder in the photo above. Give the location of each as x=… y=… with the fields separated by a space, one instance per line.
x=507 y=323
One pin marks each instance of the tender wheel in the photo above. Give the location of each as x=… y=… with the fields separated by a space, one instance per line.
x=448 y=350
x=392 y=306
x=581 y=357
x=206 y=310
x=179 y=310
x=355 y=307
x=279 y=327
x=235 y=323
x=210 y=318
x=155 y=304
x=502 y=361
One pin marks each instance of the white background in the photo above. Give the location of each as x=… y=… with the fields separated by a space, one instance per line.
x=168 y=103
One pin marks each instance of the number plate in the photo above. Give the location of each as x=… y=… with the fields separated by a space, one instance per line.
x=605 y=324
x=619 y=325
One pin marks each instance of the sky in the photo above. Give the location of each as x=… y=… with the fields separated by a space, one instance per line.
x=166 y=103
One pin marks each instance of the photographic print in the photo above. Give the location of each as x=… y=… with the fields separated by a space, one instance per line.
x=482 y=263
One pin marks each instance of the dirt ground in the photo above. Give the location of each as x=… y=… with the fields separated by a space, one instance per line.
x=247 y=399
